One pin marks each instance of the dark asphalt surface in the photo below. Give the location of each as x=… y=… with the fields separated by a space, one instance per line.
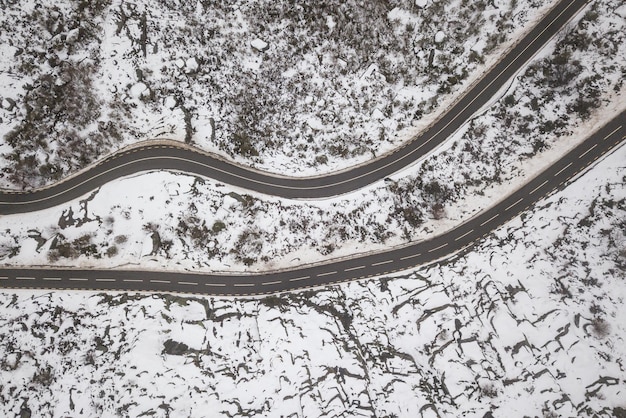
x=360 y=266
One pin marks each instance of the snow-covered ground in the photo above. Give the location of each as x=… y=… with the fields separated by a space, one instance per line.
x=531 y=323
x=291 y=88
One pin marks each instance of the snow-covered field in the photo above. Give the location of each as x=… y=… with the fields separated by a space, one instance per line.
x=288 y=87
x=530 y=324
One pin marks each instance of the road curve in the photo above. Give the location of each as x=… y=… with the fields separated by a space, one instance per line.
x=170 y=157
x=421 y=253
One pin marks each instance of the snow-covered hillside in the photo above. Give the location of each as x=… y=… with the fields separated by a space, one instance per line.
x=295 y=88
x=530 y=324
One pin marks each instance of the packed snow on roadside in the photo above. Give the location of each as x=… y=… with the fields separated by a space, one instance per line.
x=530 y=323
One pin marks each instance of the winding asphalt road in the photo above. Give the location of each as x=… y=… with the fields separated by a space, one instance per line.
x=360 y=266
x=172 y=157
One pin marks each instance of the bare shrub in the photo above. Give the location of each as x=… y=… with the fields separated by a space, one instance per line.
x=600 y=328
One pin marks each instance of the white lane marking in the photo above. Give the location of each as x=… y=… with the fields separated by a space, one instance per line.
x=189 y=283
x=410 y=256
x=437 y=248
x=490 y=219
x=611 y=134
x=4 y=278
x=244 y=284
x=215 y=284
x=105 y=280
x=52 y=279
x=328 y=273
x=382 y=262
x=299 y=278
x=538 y=187
x=271 y=283
x=513 y=204
x=587 y=152
x=160 y=281
x=133 y=280
x=24 y=278
x=77 y=279
x=354 y=268
x=563 y=169
x=464 y=235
